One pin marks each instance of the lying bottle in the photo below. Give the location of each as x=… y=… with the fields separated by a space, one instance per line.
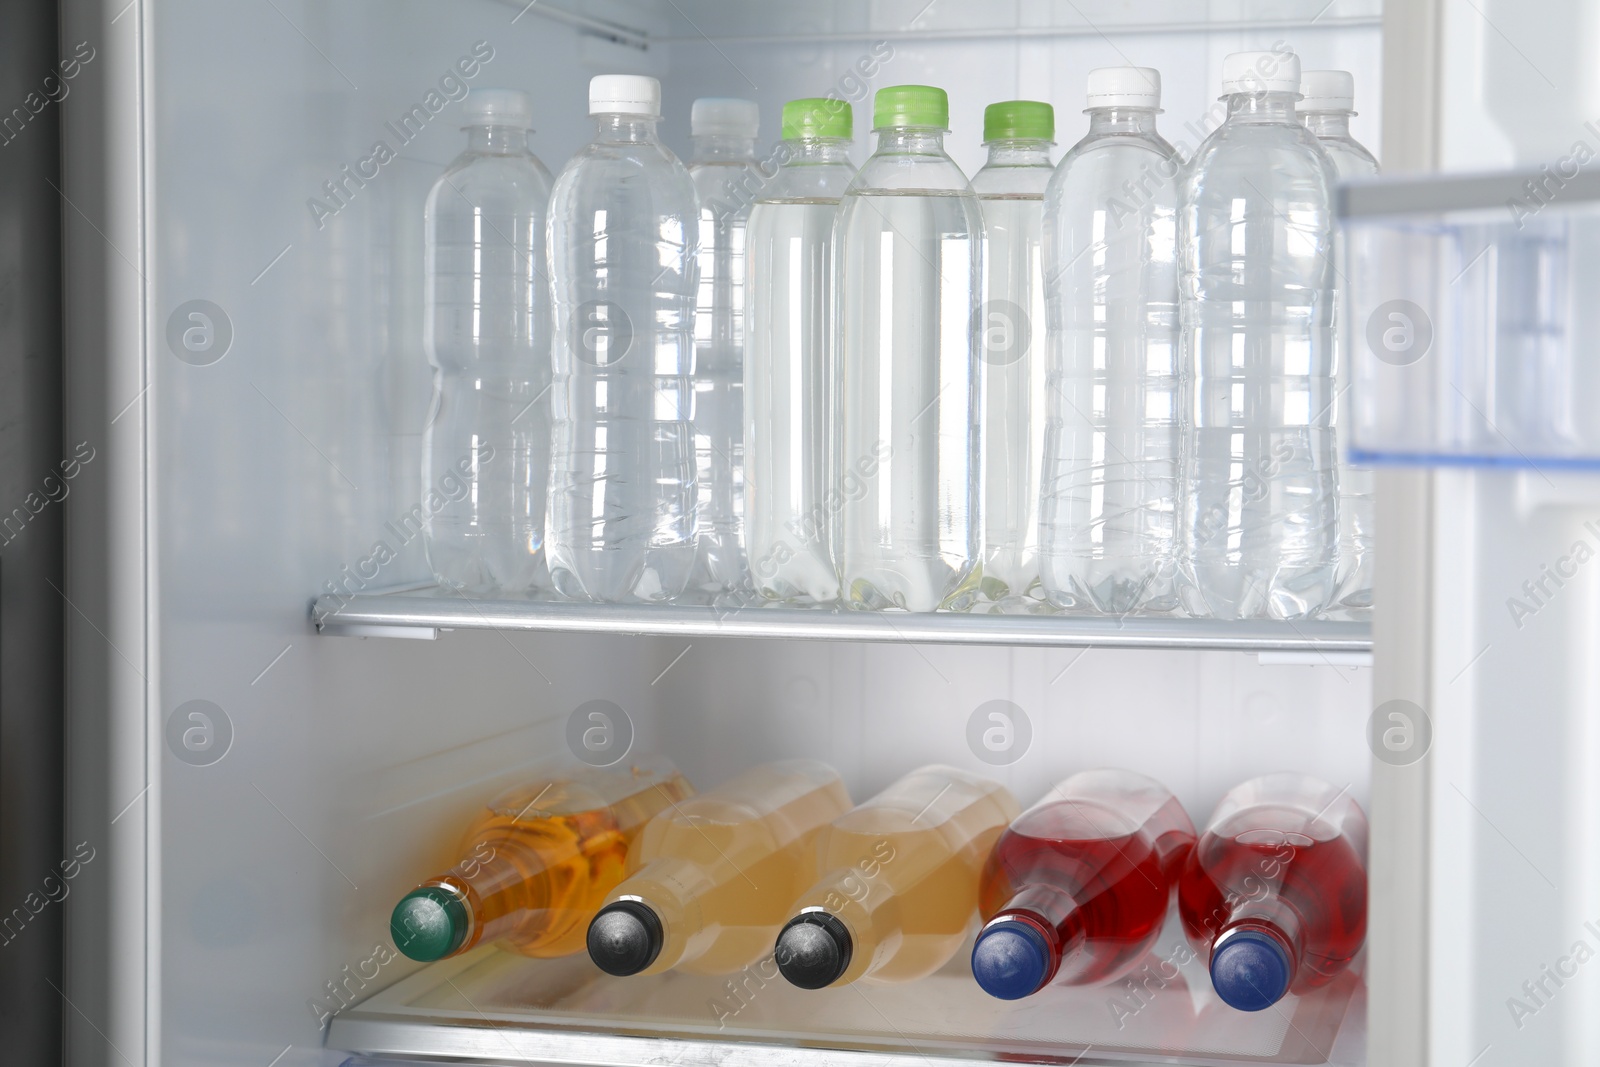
x=1076 y=890
x=538 y=863
x=709 y=881
x=1275 y=893
x=900 y=890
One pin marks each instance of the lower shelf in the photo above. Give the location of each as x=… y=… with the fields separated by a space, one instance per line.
x=495 y=1007
x=425 y=612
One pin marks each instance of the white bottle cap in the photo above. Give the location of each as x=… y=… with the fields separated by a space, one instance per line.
x=725 y=116
x=1125 y=87
x=499 y=107
x=1327 y=90
x=1260 y=72
x=624 y=94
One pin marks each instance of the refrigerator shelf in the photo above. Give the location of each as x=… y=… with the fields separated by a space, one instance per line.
x=424 y=612
x=491 y=1006
x=917 y=20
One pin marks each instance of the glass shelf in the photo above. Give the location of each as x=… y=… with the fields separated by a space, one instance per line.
x=492 y=1006
x=425 y=612
x=849 y=20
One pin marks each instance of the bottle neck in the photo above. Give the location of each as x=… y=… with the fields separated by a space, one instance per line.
x=818 y=150
x=911 y=140
x=494 y=885
x=722 y=148
x=1019 y=153
x=497 y=140
x=1270 y=916
x=1328 y=124
x=1055 y=915
x=625 y=129
x=1261 y=107
x=1136 y=121
x=672 y=887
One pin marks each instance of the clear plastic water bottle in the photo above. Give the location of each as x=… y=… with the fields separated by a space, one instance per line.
x=1260 y=524
x=723 y=169
x=1011 y=188
x=789 y=417
x=623 y=275
x=1327 y=101
x=486 y=329
x=911 y=269
x=1108 y=504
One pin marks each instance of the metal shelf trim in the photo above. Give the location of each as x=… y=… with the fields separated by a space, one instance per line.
x=388 y=614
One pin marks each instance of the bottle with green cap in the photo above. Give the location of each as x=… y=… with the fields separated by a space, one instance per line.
x=710 y=880
x=908 y=529
x=789 y=347
x=1010 y=187
x=1109 y=497
x=538 y=863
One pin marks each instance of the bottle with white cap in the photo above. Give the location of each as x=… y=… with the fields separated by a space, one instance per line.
x=723 y=166
x=1010 y=187
x=1109 y=495
x=1327 y=102
x=910 y=233
x=789 y=410
x=623 y=274
x=1260 y=524
x=486 y=329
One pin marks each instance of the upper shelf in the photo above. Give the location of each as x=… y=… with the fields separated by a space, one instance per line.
x=823 y=20
x=423 y=613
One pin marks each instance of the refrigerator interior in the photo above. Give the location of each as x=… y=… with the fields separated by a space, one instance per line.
x=280 y=452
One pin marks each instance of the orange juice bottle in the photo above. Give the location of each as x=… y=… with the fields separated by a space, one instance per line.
x=710 y=880
x=538 y=863
x=900 y=888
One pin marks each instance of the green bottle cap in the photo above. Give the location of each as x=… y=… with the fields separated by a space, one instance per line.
x=429 y=923
x=911 y=105
x=1019 y=120
x=818 y=116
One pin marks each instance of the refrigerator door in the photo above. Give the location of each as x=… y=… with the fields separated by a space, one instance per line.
x=1483 y=905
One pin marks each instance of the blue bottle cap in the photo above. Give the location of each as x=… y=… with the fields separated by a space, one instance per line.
x=1250 y=971
x=1010 y=960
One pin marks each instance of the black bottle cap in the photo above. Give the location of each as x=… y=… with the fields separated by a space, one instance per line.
x=813 y=950
x=625 y=938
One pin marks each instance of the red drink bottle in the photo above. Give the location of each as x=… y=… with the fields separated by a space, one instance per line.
x=1076 y=890
x=1275 y=894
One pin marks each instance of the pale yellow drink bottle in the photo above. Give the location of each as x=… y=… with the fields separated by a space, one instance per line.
x=711 y=878
x=900 y=884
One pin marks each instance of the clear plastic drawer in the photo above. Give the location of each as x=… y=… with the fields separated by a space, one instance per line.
x=1469 y=312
